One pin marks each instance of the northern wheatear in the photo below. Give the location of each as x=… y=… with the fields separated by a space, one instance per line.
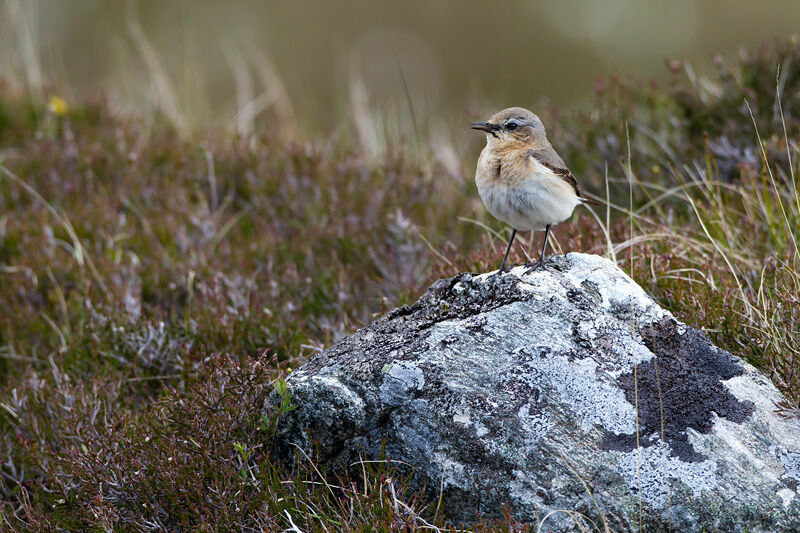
x=521 y=179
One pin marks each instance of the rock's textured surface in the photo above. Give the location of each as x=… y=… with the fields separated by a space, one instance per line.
x=524 y=390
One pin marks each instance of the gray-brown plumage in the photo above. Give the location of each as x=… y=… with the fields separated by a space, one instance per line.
x=520 y=177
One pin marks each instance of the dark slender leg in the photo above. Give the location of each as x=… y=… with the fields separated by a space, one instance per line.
x=538 y=264
x=511 y=240
x=544 y=244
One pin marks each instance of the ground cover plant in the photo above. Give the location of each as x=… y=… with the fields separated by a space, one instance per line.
x=154 y=288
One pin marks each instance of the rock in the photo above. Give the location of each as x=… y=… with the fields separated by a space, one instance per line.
x=523 y=390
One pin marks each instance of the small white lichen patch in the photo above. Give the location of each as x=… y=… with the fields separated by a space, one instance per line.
x=653 y=469
x=333 y=384
x=461 y=416
x=791 y=465
x=408 y=372
x=758 y=389
x=541 y=283
x=400 y=377
x=787 y=495
x=452 y=472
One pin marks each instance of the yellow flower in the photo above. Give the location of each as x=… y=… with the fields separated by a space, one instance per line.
x=57 y=106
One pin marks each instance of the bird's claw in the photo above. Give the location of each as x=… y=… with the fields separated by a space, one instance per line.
x=536 y=266
x=508 y=267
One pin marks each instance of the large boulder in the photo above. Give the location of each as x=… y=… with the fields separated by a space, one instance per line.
x=567 y=389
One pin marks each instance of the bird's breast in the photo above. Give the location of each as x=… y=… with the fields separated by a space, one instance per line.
x=527 y=197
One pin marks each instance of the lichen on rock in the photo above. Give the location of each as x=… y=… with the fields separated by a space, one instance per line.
x=532 y=390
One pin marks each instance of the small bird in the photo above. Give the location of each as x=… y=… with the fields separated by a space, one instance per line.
x=521 y=179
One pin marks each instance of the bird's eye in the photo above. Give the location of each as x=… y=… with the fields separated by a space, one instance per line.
x=511 y=126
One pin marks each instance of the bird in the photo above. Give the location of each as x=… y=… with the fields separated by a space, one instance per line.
x=521 y=179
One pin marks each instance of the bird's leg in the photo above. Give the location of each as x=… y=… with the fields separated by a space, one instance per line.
x=511 y=240
x=540 y=263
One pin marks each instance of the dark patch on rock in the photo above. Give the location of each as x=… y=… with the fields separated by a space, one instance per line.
x=592 y=290
x=580 y=299
x=684 y=380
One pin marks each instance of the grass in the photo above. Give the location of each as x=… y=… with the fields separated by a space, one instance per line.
x=157 y=284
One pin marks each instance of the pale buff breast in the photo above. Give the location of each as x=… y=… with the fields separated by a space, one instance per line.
x=524 y=194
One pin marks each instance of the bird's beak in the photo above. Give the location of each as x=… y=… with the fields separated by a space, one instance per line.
x=488 y=127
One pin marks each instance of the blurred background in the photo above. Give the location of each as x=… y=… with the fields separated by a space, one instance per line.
x=311 y=64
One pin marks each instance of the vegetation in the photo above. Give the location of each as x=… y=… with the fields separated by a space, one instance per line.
x=156 y=287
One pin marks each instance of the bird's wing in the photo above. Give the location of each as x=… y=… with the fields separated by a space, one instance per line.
x=550 y=159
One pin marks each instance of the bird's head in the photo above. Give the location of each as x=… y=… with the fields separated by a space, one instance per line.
x=515 y=127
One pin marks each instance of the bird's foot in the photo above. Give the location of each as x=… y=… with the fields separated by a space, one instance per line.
x=509 y=267
x=506 y=267
x=536 y=266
